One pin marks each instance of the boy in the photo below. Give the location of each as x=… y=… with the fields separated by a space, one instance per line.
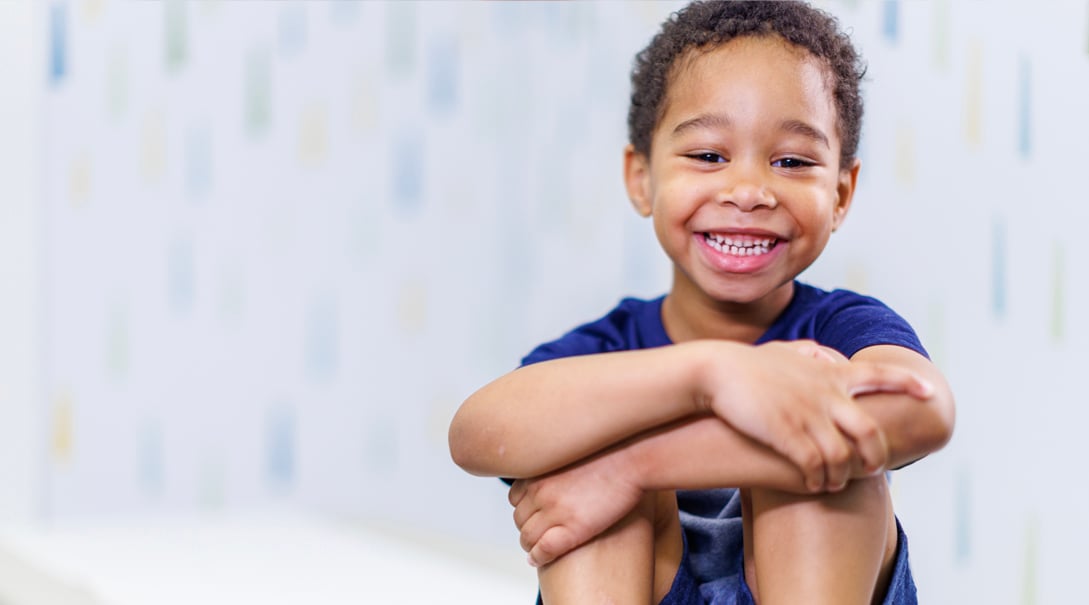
x=725 y=443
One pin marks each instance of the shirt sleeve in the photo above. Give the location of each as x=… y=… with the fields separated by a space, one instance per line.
x=861 y=321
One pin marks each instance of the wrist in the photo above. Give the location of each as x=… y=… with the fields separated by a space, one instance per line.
x=707 y=372
x=630 y=462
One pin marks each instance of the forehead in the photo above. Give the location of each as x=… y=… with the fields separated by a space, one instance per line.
x=750 y=77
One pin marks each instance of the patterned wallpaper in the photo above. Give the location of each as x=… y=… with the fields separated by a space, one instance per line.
x=282 y=241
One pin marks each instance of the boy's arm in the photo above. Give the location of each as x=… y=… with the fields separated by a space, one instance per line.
x=692 y=455
x=558 y=512
x=912 y=428
x=546 y=416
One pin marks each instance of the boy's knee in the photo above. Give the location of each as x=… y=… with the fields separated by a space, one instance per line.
x=869 y=495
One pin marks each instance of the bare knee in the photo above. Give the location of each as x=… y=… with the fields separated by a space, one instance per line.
x=861 y=496
x=840 y=545
x=617 y=566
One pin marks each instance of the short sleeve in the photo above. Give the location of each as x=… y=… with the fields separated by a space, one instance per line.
x=855 y=322
x=633 y=324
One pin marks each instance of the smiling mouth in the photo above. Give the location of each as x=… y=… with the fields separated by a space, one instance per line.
x=740 y=245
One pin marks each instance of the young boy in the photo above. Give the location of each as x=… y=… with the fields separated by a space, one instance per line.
x=725 y=443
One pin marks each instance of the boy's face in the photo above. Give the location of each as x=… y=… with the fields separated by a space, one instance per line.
x=743 y=181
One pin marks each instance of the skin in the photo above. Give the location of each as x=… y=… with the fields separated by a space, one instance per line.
x=758 y=155
x=747 y=148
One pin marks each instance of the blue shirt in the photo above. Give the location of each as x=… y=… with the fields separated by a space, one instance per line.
x=840 y=319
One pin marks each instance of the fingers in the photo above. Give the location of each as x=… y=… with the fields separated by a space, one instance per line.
x=523 y=512
x=831 y=354
x=882 y=378
x=812 y=348
x=801 y=449
x=544 y=542
x=530 y=530
x=836 y=452
x=553 y=544
x=867 y=437
x=517 y=492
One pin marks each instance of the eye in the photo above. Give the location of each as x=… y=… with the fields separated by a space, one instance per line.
x=708 y=157
x=791 y=163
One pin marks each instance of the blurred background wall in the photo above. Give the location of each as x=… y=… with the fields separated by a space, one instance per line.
x=253 y=255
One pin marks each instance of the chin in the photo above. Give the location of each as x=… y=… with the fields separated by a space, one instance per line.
x=740 y=293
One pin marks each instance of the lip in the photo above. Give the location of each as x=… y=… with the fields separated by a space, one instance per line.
x=729 y=263
x=758 y=233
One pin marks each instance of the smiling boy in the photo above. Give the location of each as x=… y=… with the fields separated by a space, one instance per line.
x=725 y=443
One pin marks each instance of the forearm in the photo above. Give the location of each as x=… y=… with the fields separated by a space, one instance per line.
x=913 y=428
x=706 y=453
x=545 y=416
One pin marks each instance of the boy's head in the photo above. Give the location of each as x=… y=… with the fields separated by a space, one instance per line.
x=744 y=128
x=703 y=26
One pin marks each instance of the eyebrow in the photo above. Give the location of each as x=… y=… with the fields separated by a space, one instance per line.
x=719 y=120
x=806 y=130
x=702 y=121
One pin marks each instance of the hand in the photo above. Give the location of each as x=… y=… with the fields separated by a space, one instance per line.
x=798 y=398
x=559 y=512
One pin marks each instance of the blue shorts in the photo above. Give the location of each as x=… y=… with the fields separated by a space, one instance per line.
x=733 y=590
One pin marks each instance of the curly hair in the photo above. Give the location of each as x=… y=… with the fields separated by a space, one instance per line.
x=705 y=25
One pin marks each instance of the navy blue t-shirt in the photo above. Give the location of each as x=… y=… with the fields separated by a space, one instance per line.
x=840 y=319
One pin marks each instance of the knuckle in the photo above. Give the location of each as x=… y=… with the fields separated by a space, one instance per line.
x=839 y=455
x=811 y=461
x=522 y=516
x=531 y=488
x=867 y=430
x=556 y=542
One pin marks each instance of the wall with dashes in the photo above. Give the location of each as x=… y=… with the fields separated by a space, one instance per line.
x=280 y=242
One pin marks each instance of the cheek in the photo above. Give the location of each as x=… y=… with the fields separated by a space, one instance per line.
x=665 y=226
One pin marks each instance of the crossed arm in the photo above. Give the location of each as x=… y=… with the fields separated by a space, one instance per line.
x=785 y=415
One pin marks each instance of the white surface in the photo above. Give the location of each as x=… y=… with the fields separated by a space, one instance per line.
x=270 y=560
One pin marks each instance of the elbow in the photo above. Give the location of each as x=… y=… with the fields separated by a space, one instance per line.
x=469 y=444
x=462 y=448
x=945 y=418
x=458 y=452
x=928 y=434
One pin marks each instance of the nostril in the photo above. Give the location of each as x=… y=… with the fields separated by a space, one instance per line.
x=748 y=197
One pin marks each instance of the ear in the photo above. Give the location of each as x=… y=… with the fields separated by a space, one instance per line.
x=637 y=180
x=845 y=192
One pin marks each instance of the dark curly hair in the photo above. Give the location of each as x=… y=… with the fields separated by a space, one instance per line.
x=705 y=25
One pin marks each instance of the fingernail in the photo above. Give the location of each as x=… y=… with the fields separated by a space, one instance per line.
x=532 y=563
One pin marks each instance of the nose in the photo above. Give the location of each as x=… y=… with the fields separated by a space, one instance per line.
x=746 y=189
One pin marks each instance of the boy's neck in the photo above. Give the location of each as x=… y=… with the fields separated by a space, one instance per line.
x=689 y=314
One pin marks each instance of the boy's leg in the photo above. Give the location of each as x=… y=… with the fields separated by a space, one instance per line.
x=829 y=548
x=633 y=562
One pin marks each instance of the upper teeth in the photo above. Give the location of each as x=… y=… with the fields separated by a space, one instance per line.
x=741 y=246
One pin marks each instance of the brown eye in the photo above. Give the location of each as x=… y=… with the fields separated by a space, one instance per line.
x=710 y=158
x=791 y=163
